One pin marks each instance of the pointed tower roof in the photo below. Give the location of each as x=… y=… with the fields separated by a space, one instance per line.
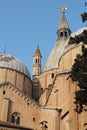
x=63 y=22
x=37 y=52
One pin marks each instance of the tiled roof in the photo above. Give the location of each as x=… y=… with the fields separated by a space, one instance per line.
x=37 y=52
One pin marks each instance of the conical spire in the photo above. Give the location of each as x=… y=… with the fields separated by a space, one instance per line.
x=37 y=52
x=63 y=29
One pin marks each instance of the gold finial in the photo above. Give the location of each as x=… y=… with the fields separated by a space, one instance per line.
x=64 y=7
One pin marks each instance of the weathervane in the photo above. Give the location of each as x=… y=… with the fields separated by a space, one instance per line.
x=64 y=7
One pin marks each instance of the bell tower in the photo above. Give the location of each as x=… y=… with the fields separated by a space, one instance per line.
x=36 y=71
x=37 y=62
x=63 y=29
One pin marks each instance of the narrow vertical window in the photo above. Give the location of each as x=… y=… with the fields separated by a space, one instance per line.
x=52 y=75
x=65 y=34
x=36 y=61
x=4 y=92
x=61 y=34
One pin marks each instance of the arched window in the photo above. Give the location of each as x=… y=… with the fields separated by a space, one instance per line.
x=65 y=34
x=61 y=34
x=36 y=61
x=15 y=118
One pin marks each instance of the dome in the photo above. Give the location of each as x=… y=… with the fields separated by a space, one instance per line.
x=11 y=62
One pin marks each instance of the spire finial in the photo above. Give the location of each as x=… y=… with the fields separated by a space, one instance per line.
x=64 y=7
x=5 y=49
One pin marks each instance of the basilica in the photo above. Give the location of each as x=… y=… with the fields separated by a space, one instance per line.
x=45 y=101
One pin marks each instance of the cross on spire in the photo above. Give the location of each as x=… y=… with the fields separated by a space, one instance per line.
x=64 y=7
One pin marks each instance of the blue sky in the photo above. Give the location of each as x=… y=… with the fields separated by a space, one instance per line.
x=25 y=24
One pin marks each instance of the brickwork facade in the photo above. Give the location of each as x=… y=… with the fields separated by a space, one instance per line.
x=45 y=102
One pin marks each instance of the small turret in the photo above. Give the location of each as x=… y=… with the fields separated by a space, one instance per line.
x=37 y=62
x=36 y=71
